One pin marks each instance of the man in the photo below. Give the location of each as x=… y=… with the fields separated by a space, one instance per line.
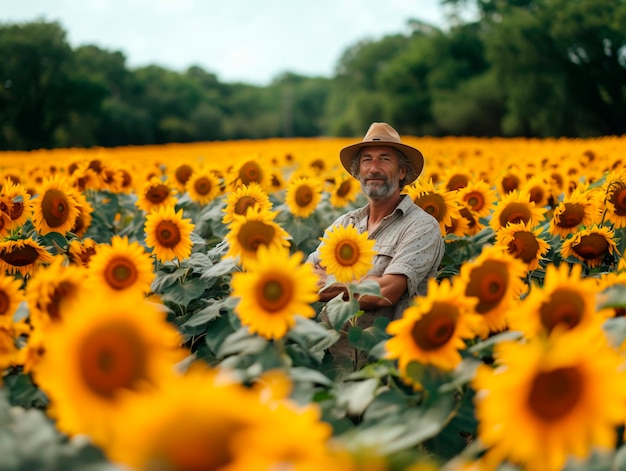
x=408 y=242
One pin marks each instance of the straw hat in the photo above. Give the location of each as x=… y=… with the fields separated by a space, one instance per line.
x=381 y=134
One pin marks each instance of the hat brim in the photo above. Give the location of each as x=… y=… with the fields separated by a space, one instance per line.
x=415 y=157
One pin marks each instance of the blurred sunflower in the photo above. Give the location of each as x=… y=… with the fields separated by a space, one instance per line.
x=274 y=289
x=432 y=330
x=158 y=430
x=515 y=207
x=168 y=234
x=614 y=189
x=459 y=227
x=508 y=181
x=474 y=226
x=81 y=251
x=247 y=233
x=580 y=208
x=11 y=295
x=84 y=218
x=16 y=203
x=455 y=177
x=443 y=205
x=344 y=190
x=478 y=197
x=249 y=171
x=98 y=351
x=121 y=266
x=52 y=290
x=244 y=197
x=154 y=195
x=496 y=279
x=524 y=243
x=346 y=254
x=566 y=300
x=303 y=195
x=594 y=246
x=540 y=392
x=180 y=176
x=5 y=224
x=538 y=189
x=9 y=352
x=203 y=186
x=55 y=209
x=22 y=256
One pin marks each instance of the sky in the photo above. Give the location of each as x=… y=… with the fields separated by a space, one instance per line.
x=250 y=41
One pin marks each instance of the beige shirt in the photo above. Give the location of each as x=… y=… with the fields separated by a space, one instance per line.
x=408 y=242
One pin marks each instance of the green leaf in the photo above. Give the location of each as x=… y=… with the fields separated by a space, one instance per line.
x=356 y=396
x=199 y=262
x=186 y=292
x=339 y=311
x=223 y=267
x=241 y=341
x=164 y=280
x=369 y=287
x=312 y=335
x=615 y=329
x=487 y=345
x=307 y=375
x=54 y=239
x=210 y=311
x=612 y=297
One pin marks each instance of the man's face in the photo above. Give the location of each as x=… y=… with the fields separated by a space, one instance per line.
x=380 y=172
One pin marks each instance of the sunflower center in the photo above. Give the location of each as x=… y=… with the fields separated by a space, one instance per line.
x=55 y=207
x=618 y=199
x=591 y=246
x=275 y=294
x=303 y=196
x=5 y=302
x=515 y=213
x=203 y=186
x=489 y=283
x=572 y=215
x=112 y=357
x=347 y=253
x=457 y=181
x=510 y=183
x=79 y=224
x=183 y=173
x=250 y=172
x=62 y=291
x=434 y=205
x=20 y=256
x=343 y=189
x=243 y=203
x=158 y=193
x=168 y=234
x=254 y=233
x=436 y=328
x=563 y=307
x=120 y=273
x=16 y=210
x=524 y=246
x=475 y=200
x=537 y=194
x=555 y=393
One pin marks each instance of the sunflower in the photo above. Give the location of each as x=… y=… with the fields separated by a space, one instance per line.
x=11 y=296
x=524 y=243
x=9 y=353
x=455 y=178
x=591 y=246
x=344 y=190
x=84 y=218
x=154 y=195
x=474 y=226
x=303 y=195
x=56 y=208
x=81 y=251
x=99 y=350
x=346 y=254
x=16 y=203
x=52 y=290
x=168 y=234
x=274 y=289
x=548 y=401
x=496 y=279
x=5 y=224
x=158 y=430
x=508 y=181
x=432 y=330
x=244 y=197
x=565 y=300
x=247 y=233
x=121 y=266
x=539 y=190
x=581 y=208
x=22 y=256
x=442 y=205
x=615 y=192
x=458 y=227
x=515 y=207
x=249 y=171
x=180 y=176
x=203 y=186
x=478 y=197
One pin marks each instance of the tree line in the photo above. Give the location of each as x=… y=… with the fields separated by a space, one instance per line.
x=530 y=68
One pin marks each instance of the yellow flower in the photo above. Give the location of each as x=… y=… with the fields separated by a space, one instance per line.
x=180 y=176
x=80 y=252
x=581 y=208
x=98 y=351
x=121 y=266
x=303 y=195
x=496 y=279
x=478 y=197
x=443 y=205
x=547 y=401
x=203 y=186
x=615 y=190
x=168 y=234
x=591 y=246
x=515 y=207
x=249 y=171
x=22 y=256
x=156 y=194
x=244 y=197
x=56 y=208
x=11 y=296
x=255 y=229
x=432 y=330
x=16 y=203
x=84 y=218
x=346 y=254
x=523 y=243
x=274 y=289
x=344 y=190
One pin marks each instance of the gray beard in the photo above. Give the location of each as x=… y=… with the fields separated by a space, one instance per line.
x=378 y=192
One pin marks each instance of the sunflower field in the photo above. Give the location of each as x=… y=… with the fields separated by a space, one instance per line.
x=157 y=311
